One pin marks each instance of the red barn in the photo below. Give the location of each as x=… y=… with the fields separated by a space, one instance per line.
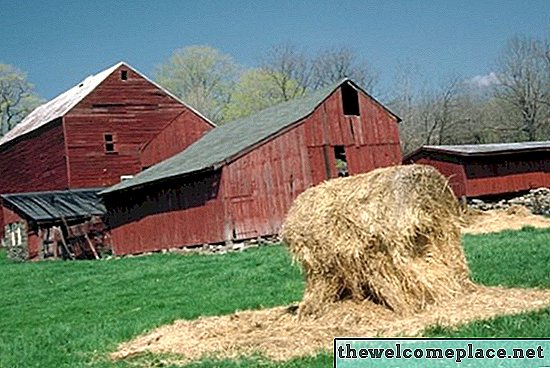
x=239 y=180
x=489 y=169
x=114 y=123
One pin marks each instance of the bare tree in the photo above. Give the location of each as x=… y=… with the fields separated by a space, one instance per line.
x=289 y=68
x=335 y=63
x=202 y=76
x=523 y=74
x=16 y=97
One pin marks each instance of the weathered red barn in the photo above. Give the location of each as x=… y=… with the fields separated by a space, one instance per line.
x=239 y=180
x=489 y=169
x=114 y=123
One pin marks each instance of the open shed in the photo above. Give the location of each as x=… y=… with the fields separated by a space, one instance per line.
x=58 y=224
x=239 y=180
x=482 y=170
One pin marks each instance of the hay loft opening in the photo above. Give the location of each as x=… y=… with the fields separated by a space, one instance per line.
x=341 y=161
x=350 y=100
x=124 y=75
x=110 y=143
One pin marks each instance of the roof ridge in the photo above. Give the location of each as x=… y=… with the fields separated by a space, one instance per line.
x=59 y=105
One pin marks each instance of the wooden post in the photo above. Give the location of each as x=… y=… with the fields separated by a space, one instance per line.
x=91 y=245
x=65 y=243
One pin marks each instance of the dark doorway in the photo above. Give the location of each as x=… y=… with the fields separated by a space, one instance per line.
x=341 y=161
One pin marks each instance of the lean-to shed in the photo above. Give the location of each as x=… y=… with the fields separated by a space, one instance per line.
x=111 y=124
x=239 y=180
x=64 y=224
x=480 y=170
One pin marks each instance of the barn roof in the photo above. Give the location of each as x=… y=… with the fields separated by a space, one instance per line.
x=56 y=205
x=482 y=149
x=228 y=141
x=62 y=104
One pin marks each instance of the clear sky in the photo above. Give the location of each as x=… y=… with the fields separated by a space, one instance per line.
x=59 y=43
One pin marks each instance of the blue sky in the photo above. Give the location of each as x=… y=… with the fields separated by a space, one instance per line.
x=59 y=43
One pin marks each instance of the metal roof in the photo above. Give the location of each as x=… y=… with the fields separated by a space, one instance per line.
x=484 y=149
x=56 y=205
x=62 y=104
x=226 y=142
x=58 y=106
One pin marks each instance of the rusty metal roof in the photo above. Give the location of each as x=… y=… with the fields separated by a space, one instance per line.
x=228 y=141
x=56 y=205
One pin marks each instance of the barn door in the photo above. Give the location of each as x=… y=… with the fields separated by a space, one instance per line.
x=322 y=163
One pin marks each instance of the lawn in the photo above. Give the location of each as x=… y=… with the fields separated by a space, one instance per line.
x=71 y=314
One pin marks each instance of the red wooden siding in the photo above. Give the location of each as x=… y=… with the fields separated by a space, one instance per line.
x=185 y=213
x=491 y=175
x=135 y=111
x=453 y=171
x=34 y=162
x=183 y=131
x=515 y=173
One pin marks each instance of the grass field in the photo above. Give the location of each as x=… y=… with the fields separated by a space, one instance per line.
x=72 y=314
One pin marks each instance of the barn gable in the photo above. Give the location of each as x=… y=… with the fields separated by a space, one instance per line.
x=59 y=106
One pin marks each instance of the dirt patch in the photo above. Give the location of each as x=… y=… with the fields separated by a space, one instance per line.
x=279 y=334
x=513 y=218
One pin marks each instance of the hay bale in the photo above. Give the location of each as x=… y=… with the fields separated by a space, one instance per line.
x=391 y=236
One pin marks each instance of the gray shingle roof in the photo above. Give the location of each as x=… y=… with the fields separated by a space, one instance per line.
x=52 y=206
x=229 y=140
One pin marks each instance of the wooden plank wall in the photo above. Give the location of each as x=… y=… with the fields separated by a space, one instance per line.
x=491 y=175
x=454 y=171
x=507 y=174
x=135 y=111
x=174 y=214
x=34 y=162
x=182 y=131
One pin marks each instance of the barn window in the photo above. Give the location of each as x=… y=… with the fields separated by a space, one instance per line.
x=124 y=74
x=110 y=143
x=350 y=100
x=341 y=161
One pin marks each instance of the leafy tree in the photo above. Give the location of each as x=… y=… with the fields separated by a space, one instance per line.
x=17 y=98
x=289 y=69
x=255 y=91
x=201 y=76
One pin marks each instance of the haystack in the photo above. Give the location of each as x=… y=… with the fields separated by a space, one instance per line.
x=391 y=236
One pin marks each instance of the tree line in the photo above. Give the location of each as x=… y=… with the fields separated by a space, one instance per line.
x=512 y=103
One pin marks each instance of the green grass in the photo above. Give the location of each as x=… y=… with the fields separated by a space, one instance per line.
x=72 y=314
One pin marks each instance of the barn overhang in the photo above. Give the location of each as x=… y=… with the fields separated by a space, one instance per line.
x=55 y=207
